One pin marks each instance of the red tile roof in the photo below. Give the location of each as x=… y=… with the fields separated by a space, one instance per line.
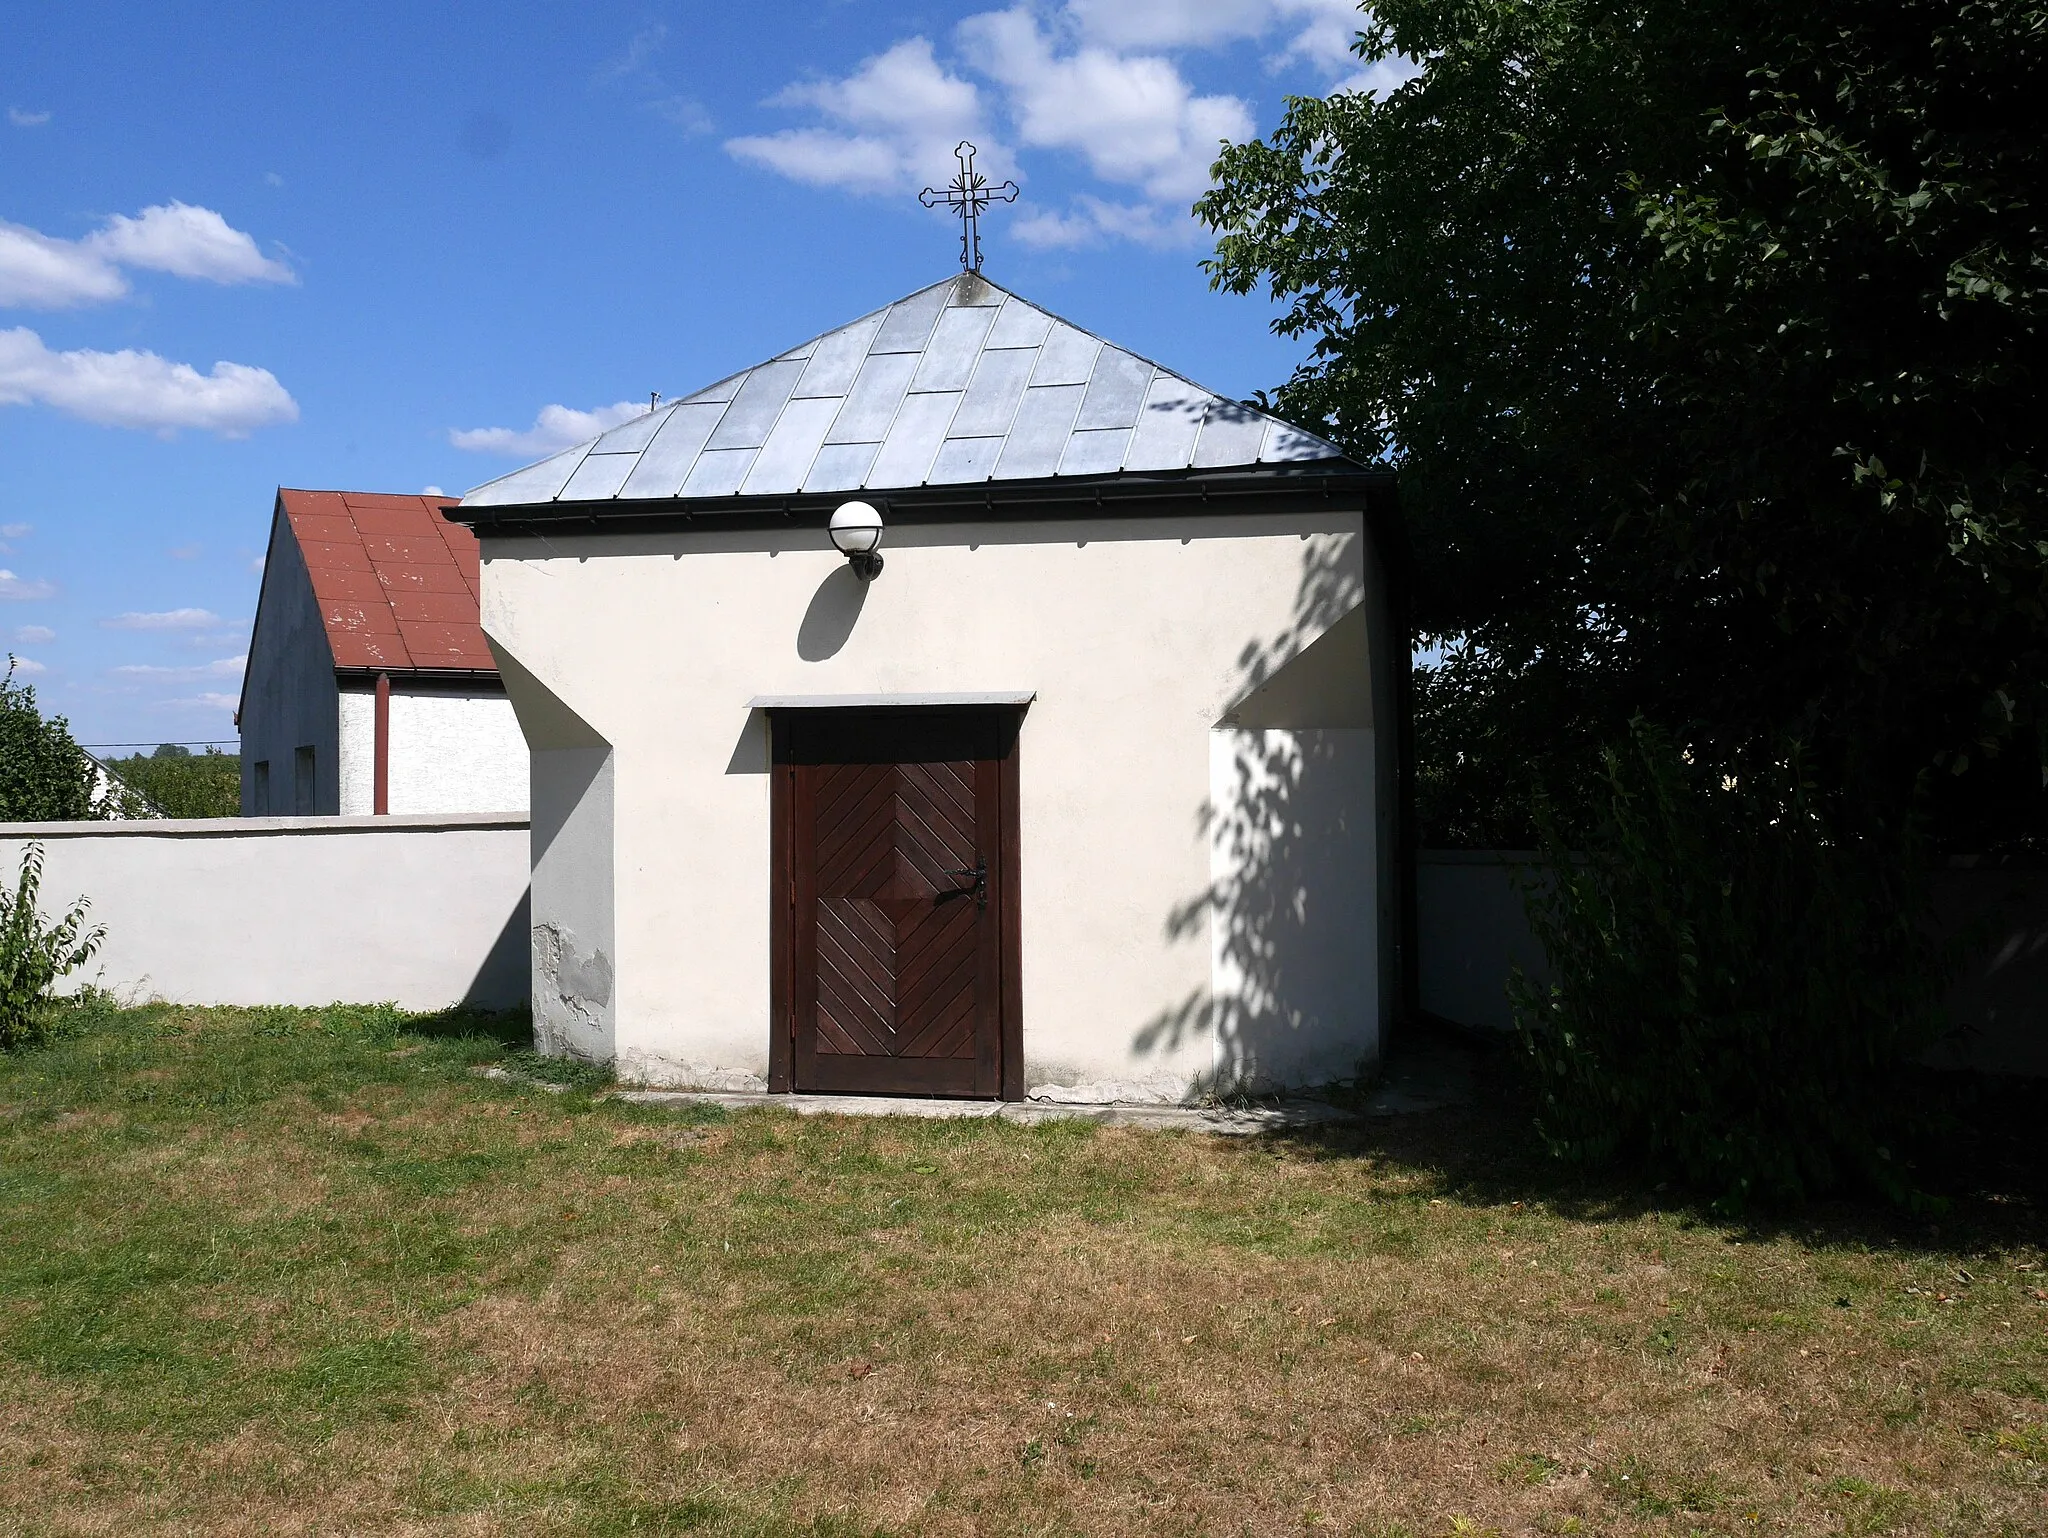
x=396 y=582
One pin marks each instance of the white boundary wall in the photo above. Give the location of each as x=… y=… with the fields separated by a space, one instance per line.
x=421 y=911
x=1472 y=930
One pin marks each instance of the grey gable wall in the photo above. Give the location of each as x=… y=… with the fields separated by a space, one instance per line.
x=289 y=695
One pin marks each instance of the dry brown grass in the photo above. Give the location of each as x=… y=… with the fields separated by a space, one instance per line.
x=301 y=1282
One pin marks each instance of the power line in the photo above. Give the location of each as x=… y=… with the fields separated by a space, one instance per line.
x=157 y=742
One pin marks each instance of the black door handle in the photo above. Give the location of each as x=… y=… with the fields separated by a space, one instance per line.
x=980 y=887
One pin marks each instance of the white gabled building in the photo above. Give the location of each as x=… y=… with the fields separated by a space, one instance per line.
x=1090 y=792
x=370 y=688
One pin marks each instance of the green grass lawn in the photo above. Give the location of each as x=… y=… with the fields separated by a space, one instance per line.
x=302 y=1271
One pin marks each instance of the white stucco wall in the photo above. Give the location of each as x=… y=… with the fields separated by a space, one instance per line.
x=425 y=912
x=1472 y=931
x=1139 y=638
x=289 y=697
x=452 y=750
x=1292 y=867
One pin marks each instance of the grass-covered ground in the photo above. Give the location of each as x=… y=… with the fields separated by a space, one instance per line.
x=301 y=1271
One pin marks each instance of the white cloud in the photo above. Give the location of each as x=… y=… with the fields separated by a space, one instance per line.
x=643 y=45
x=34 y=635
x=635 y=70
x=28 y=667
x=223 y=667
x=1328 y=29
x=1383 y=77
x=202 y=702
x=432 y=491
x=16 y=530
x=187 y=242
x=40 y=272
x=44 y=272
x=22 y=588
x=272 y=179
x=1134 y=119
x=21 y=117
x=899 y=115
x=685 y=113
x=140 y=389
x=1095 y=79
x=1319 y=33
x=1091 y=221
x=555 y=428
x=823 y=158
x=1168 y=23
x=166 y=619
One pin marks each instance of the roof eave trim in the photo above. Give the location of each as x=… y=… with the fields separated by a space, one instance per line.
x=1319 y=480
x=358 y=672
x=1002 y=698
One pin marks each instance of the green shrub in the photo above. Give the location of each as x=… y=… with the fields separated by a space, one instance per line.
x=1738 y=991
x=34 y=955
x=178 y=783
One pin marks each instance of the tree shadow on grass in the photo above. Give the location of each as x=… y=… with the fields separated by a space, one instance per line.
x=1978 y=1165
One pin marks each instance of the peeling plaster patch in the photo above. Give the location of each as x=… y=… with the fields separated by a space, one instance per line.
x=571 y=992
x=585 y=978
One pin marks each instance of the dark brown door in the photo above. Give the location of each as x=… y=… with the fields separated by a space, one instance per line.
x=896 y=857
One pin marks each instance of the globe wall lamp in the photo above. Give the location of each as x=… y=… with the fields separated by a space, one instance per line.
x=856 y=530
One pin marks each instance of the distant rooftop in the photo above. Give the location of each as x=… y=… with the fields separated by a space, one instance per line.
x=396 y=581
x=958 y=383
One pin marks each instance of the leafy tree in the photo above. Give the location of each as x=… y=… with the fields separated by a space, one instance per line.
x=44 y=775
x=1680 y=1030
x=174 y=781
x=1707 y=339
x=1708 y=342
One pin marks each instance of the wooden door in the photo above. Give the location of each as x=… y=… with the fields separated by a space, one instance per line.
x=896 y=868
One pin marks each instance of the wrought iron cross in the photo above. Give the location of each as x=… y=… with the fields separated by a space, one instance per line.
x=967 y=195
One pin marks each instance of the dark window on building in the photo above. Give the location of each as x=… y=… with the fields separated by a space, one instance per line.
x=302 y=782
x=259 y=797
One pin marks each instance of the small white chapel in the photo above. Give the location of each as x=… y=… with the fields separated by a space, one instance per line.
x=956 y=704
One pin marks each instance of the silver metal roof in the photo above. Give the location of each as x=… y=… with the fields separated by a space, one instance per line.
x=957 y=383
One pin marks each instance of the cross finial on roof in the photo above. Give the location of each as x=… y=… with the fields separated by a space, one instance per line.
x=967 y=195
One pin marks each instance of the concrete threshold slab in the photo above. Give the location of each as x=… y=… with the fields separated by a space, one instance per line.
x=1224 y=1121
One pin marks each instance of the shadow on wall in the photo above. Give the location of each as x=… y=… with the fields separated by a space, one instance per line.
x=829 y=621
x=505 y=979
x=1290 y=912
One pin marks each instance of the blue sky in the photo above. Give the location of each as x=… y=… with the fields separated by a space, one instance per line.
x=393 y=247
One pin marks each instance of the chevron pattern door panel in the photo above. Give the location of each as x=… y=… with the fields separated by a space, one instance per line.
x=897 y=906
